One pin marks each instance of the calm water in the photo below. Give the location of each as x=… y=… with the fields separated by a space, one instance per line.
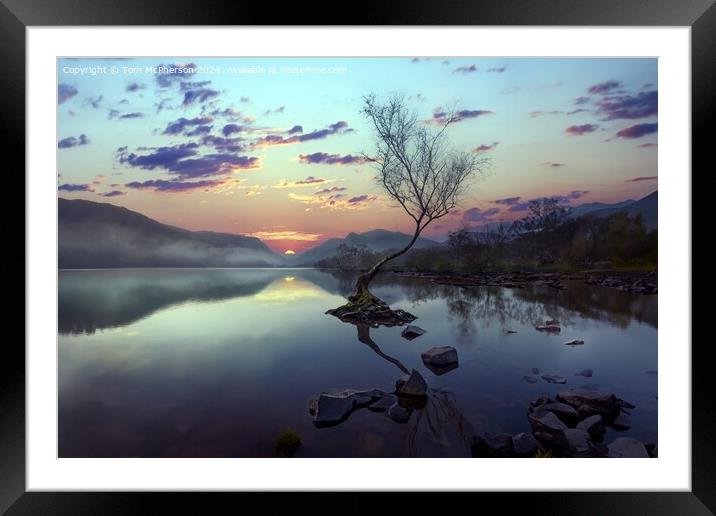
x=217 y=363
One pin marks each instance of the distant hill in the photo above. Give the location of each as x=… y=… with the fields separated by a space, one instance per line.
x=647 y=207
x=590 y=207
x=377 y=240
x=101 y=235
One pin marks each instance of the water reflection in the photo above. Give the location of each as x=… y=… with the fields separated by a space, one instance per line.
x=216 y=363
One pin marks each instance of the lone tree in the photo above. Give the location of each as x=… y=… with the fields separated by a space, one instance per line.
x=420 y=171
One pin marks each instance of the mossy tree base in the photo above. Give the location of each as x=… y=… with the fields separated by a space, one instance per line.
x=364 y=308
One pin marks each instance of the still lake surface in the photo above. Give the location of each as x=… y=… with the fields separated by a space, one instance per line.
x=218 y=362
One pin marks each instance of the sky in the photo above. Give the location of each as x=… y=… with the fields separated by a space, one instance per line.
x=273 y=147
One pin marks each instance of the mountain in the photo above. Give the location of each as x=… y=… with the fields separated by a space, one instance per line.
x=100 y=235
x=647 y=207
x=590 y=207
x=377 y=240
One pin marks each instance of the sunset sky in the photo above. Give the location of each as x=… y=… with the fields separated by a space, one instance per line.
x=271 y=147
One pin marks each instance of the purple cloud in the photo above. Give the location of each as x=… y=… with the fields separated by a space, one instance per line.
x=333 y=189
x=199 y=130
x=331 y=159
x=645 y=145
x=508 y=201
x=582 y=100
x=135 y=86
x=65 y=92
x=230 y=129
x=224 y=144
x=71 y=141
x=466 y=69
x=131 y=115
x=170 y=74
x=161 y=185
x=637 y=131
x=485 y=147
x=642 y=178
x=68 y=187
x=440 y=116
x=181 y=160
x=361 y=199
x=497 y=70
x=553 y=164
x=641 y=105
x=578 y=130
x=339 y=127
x=295 y=129
x=113 y=193
x=517 y=205
x=201 y=95
x=604 y=87
x=478 y=215
x=178 y=126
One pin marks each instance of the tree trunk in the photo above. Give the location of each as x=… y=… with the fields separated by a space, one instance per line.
x=362 y=291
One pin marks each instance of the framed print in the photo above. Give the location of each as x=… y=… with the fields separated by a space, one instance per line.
x=272 y=255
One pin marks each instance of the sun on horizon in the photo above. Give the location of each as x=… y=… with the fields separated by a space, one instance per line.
x=289 y=251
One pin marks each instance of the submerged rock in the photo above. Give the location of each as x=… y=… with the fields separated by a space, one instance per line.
x=331 y=410
x=545 y=421
x=412 y=332
x=440 y=356
x=554 y=378
x=529 y=379
x=486 y=444
x=621 y=422
x=585 y=372
x=550 y=328
x=384 y=403
x=563 y=411
x=525 y=445
x=413 y=385
x=626 y=447
x=596 y=402
x=440 y=370
x=594 y=425
x=574 y=342
x=398 y=414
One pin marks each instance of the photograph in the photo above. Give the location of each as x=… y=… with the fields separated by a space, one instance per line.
x=350 y=257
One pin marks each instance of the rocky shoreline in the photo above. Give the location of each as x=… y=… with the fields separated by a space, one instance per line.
x=636 y=282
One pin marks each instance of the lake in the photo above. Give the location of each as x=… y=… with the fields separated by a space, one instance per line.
x=219 y=362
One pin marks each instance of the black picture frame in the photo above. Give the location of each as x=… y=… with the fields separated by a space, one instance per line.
x=16 y=15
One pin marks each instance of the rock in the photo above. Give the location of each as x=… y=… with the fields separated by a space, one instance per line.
x=529 y=379
x=554 y=378
x=626 y=447
x=597 y=402
x=525 y=445
x=384 y=403
x=563 y=411
x=492 y=445
x=625 y=404
x=621 y=422
x=440 y=370
x=545 y=421
x=594 y=425
x=413 y=385
x=412 y=332
x=551 y=322
x=550 y=328
x=508 y=332
x=586 y=411
x=585 y=372
x=398 y=414
x=331 y=410
x=577 y=442
x=535 y=370
x=574 y=342
x=440 y=356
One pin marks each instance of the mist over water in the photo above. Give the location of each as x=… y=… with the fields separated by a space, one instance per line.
x=217 y=363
